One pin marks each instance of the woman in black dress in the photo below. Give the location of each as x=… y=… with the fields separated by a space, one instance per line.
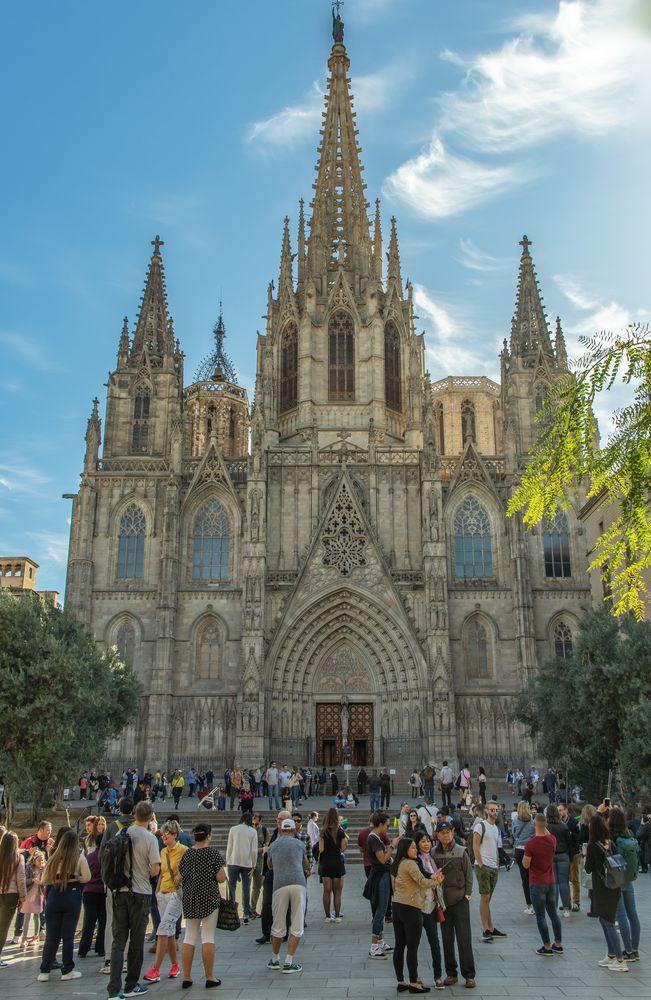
x=332 y=844
x=604 y=900
x=201 y=868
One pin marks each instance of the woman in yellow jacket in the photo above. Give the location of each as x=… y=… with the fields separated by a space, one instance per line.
x=409 y=889
x=178 y=781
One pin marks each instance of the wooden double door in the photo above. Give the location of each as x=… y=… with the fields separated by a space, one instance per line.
x=329 y=736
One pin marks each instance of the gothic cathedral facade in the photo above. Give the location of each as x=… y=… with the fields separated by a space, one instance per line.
x=332 y=565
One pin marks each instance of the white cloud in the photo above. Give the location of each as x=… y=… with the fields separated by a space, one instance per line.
x=51 y=545
x=21 y=478
x=475 y=259
x=585 y=70
x=437 y=183
x=449 y=346
x=27 y=349
x=594 y=314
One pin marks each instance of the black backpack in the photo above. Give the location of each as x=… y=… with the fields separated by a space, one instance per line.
x=117 y=860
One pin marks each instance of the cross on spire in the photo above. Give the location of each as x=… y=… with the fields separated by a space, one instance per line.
x=157 y=243
x=525 y=243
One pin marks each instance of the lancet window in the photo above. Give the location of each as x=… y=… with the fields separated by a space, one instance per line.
x=341 y=356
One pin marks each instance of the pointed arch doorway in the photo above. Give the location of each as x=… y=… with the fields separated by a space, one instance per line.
x=345 y=710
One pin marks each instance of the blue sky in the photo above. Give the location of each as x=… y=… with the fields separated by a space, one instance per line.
x=479 y=121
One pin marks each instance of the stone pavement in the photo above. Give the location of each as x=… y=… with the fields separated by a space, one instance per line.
x=336 y=964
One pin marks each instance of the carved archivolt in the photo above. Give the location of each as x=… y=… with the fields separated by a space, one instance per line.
x=343 y=672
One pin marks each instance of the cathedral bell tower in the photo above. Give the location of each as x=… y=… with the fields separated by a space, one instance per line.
x=340 y=352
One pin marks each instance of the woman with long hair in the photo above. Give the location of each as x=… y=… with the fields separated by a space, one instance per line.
x=169 y=901
x=414 y=824
x=522 y=830
x=558 y=829
x=201 y=868
x=65 y=873
x=587 y=813
x=428 y=867
x=332 y=844
x=12 y=885
x=409 y=889
x=93 y=894
x=604 y=900
x=627 y=845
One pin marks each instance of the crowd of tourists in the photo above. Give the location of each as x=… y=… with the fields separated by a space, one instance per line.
x=129 y=876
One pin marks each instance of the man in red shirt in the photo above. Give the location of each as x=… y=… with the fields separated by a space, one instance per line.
x=538 y=857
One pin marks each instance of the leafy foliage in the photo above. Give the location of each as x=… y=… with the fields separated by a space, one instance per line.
x=593 y=708
x=61 y=698
x=566 y=454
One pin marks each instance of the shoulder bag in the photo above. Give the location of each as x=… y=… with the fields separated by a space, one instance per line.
x=228 y=918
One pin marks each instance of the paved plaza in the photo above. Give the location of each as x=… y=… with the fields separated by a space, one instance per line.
x=336 y=963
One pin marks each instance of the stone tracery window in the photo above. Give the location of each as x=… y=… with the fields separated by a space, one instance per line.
x=131 y=543
x=210 y=543
x=141 y=411
x=563 y=643
x=473 y=550
x=208 y=652
x=289 y=368
x=477 y=649
x=556 y=547
x=125 y=640
x=344 y=539
x=392 y=383
x=341 y=356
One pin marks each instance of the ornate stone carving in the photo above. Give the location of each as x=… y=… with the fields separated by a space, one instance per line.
x=344 y=538
x=343 y=672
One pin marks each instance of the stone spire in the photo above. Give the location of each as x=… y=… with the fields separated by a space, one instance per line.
x=559 y=345
x=93 y=438
x=393 y=256
x=339 y=230
x=286 y=260
x=123 y=349
x=301 y=241
x=152 y=328
x=217 y=367
x=377 y=242
x=529 y=329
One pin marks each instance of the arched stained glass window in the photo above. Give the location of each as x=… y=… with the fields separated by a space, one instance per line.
x=473 y=550
x=209 y=644
x=141 y=409
x=131 y=543
x=125 y=640
x=210 y=543
x=341 y=356
x=563 y=644
x=476 y=647
x=556 y=547
x=392 y=384
x=289 y=368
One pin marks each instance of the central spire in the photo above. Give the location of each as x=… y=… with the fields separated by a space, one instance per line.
x=339 y=230
x=529 y=329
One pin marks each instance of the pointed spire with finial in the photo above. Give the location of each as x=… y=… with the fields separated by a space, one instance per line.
x=217 y=367
x=286 y=261
x=393 y=256
x=377 y=242
x=529 y=329
x=560 y=348
x=93 y=438
x=152 y=326
x=123 y=349
x=301 y=242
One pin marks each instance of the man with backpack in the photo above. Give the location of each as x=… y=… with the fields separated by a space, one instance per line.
x=124 y=820
x=129 y=861
x=485 y=847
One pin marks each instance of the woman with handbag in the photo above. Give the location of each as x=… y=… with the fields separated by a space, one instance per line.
x=627 y=846
x=604 y=899
x=409 y=890
x=434 y=907
x=12 y=885
x=65 y=873
x=201 y=868
x=168 y=897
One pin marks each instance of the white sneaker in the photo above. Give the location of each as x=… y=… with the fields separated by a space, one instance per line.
x=605 y=962
x=327 y=920
x=43 y=977
x=15 y=940
x=376 y=952
x=566 y=913
x=616 y=966
x=336 y=920
x=528 y=910
x=75 y=974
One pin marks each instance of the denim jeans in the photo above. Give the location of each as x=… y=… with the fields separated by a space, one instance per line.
x=62 y=909
x=375 y=801
x=235 y=873
x=430 y=926
x=296 y=795
x=613 y=940
x=544 y=899
x=381 y=894
x=562 y=876
x=628 y=920
x=274 y=797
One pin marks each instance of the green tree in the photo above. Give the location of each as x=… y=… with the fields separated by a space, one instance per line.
x=61 y=699
x=566 y=457
x=592 y=710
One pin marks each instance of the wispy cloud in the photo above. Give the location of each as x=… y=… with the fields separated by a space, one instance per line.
x=449 y=348
x=301 y=120
x=23 y=346
x=594 y=313
x=475 y=259
x=582 y=71
x=437 y=183
x=20 y=478
x=50 y=545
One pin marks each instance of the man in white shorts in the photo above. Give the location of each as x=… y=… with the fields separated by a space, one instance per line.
x=286 y=858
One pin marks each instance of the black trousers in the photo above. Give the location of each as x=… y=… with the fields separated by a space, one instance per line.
x=62 y=908
x=130 y=917
x=524 y=874
x=407 y=929
x=385 y=797
x=94 y=904
x=446 y=794
x=457 y=925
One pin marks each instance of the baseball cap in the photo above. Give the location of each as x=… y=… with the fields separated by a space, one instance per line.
x=288 y=824
x=445 y=824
